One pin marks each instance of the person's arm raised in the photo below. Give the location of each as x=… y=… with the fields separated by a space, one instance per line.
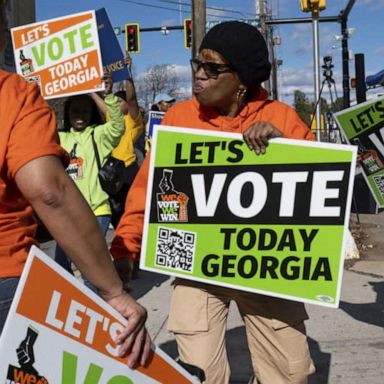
x=133 y=106
x=108 y=83
x=45 y=184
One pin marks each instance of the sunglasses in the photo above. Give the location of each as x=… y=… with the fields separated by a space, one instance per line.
x=212 y=70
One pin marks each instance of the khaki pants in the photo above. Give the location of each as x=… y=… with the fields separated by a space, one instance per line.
x=274 y=327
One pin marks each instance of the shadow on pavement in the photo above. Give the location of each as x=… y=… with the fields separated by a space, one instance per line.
x=322 y=361
x=145 y=282
x=370 y=313
x=240 y=360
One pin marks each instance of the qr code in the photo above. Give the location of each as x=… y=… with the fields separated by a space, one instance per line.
x=175 y=249
x=379 y=181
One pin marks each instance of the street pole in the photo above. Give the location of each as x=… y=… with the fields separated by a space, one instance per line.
x=345 y=52
x=345 y=58
x=263 y=31
x=316 y=67
x=274 y=69
x=198 y=24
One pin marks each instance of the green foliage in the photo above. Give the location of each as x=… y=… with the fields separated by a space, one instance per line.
x=303 y=106
x=306 y=108
x=338 y=104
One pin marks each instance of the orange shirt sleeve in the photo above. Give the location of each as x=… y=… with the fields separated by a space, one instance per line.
x=296 y=128
x=127 y=240
x=34 y=131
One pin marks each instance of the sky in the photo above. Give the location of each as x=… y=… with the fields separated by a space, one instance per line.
x=295 y=50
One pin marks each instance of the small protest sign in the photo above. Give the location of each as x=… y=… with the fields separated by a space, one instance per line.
x=61 y=55
x=154 y=118
x=112 y=55
x=59 y=331
x=363 y=126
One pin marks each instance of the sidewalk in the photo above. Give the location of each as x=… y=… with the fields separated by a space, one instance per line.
x=347 y=344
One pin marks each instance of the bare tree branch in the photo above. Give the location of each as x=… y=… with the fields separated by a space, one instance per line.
x=157 y=79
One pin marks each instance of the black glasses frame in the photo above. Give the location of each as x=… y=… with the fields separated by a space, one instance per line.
x=211 y=69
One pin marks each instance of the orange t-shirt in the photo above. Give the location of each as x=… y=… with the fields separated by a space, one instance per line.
x=27 y=131
x=190 y=114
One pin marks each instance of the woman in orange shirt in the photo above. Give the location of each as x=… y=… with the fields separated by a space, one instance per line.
x=32 y=176
x=229 y=69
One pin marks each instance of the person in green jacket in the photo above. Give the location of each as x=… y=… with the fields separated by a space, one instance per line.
x=82 y=121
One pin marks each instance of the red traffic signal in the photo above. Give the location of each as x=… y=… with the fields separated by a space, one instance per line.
x=187 y=33
x=132 y=37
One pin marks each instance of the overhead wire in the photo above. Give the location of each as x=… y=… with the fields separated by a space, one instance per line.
x=210 y=7
x=178 y=10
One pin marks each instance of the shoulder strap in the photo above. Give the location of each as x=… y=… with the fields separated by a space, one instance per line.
x=96 y=150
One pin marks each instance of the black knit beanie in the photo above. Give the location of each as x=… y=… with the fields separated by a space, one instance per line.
x=245 y=49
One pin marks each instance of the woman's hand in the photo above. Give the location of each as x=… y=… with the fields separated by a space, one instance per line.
x=258 y=135
x=134 y=340
x=128 y=60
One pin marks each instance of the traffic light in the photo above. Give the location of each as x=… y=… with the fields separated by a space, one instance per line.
x=132 y=36
x=313 y=5
x=187 y=33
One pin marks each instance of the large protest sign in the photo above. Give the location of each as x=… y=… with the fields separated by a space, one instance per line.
x=363 y=125
x=112 y=55
x=273 y=224
x=62 y=55
x=59 y=332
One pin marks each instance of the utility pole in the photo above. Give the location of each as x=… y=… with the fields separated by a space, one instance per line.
x=315 y=6
x=198 y=24
x=274 y=68
x=264 y=32
x=316 y=63
x=345 y=52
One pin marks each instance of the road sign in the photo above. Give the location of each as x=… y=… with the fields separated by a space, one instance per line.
x=210 y=24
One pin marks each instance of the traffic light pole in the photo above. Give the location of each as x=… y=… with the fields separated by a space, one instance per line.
x=316 y=66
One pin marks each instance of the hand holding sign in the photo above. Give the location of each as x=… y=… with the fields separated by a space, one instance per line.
x=258 y=134
x=108 y=83
x=134 y=340
x=128 y=61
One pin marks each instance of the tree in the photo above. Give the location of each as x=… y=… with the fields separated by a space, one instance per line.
x=338 y=104
x=157 y=79
x=303 y=106
x=306 y=108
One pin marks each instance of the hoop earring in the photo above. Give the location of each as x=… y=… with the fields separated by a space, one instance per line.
x=240 y=94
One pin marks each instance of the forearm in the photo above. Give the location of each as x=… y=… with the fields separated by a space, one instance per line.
x=99 y=102
x=70 y=221
x=115 y=127
x=133 y=107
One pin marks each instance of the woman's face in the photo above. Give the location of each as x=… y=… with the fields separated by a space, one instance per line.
x=218 y=91
x=80 y=113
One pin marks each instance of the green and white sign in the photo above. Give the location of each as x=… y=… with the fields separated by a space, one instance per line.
x=363 y=126
x=272 y=224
